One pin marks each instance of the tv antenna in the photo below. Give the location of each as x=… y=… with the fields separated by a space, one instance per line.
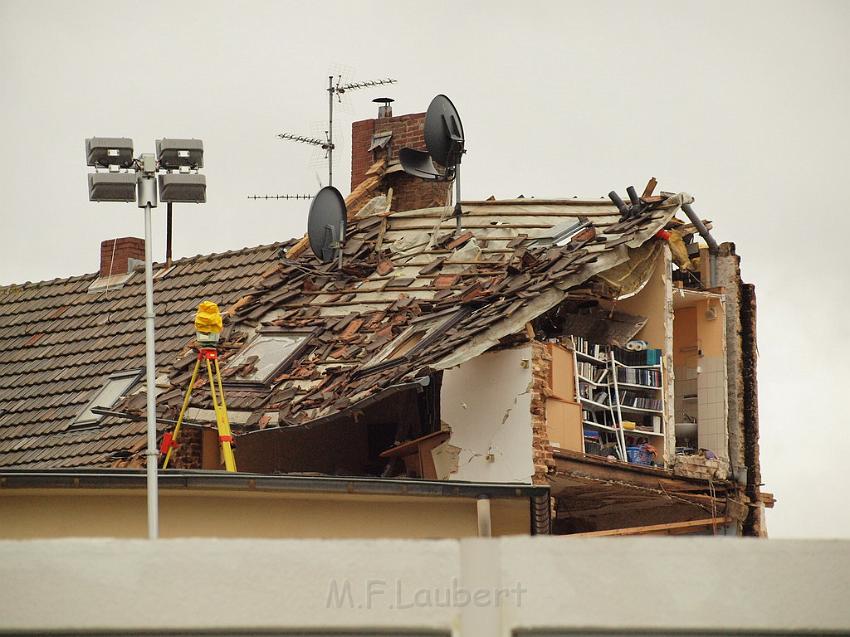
x=334 y=89
x=326 y=225
x=445 y=142
x=280 y=196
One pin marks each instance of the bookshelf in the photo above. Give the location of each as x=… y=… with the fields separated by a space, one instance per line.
x=621 y=397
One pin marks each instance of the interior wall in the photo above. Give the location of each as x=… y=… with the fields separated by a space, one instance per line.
x=711 y=380
x=348 y=445
x=700 y=368
x=486 y=402
x=655 y=302
x=562 y=409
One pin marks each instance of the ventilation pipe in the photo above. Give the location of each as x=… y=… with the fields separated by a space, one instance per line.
x=713 y=248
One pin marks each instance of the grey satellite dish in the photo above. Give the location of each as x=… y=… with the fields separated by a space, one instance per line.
x=445 y=142
x=326 y=224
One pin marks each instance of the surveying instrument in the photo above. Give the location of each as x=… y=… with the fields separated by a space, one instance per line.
x=208 y=329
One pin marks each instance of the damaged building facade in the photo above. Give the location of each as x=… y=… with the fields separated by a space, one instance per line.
x=600 y=364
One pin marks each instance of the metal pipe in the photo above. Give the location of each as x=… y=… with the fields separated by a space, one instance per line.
x=617 y=201
x=168 y=237
x=150 y=364
x=713 y=248
x=485 y=527
x=458 y=211
x=330 y=130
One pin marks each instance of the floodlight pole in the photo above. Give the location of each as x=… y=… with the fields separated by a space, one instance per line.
x=147 y=199
x=150 y=362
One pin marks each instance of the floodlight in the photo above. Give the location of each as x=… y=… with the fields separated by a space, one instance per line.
x=183 y=188
x=112 y=186
x=177 y=153
x=109 y=151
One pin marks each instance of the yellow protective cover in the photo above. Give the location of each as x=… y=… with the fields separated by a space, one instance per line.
x=208 y=318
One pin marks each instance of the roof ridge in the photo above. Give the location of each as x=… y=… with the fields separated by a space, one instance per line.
x=10 y=287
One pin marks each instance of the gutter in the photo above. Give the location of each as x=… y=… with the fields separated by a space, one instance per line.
x=188 y=479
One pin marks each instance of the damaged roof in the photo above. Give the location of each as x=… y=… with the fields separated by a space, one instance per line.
x=414 y=296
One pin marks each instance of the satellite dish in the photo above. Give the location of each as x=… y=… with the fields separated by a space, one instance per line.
x=445 y=142
x=326 y=224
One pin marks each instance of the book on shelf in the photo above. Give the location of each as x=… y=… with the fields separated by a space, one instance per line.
x=592 y=372
x=633 y=399
x=644 y=357
x=595 y=350
x=648 y=377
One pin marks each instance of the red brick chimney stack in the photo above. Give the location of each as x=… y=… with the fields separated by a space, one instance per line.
x=408 y=131
x=115 y=254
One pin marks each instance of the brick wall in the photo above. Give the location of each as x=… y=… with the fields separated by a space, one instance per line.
x=115 y=254
x=698 y=466
x=409 y=193
x=189 y=453
x=541 y=363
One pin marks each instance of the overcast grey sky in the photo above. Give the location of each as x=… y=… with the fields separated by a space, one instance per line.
x=744 y=105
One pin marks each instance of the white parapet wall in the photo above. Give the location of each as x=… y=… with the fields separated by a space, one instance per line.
x=476 y=587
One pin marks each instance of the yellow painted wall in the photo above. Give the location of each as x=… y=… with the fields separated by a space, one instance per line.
x=650 y=302
x=34 y=513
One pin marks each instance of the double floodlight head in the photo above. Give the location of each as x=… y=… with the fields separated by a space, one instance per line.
x=183 y=188
x=112 y=187
x=180 y=153
x=137 y=182
x=106 y=152
x=445 y=142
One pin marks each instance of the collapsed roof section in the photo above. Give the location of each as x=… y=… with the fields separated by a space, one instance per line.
x=414 y=296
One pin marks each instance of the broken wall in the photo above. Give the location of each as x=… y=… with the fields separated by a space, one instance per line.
x=729 y=278
x=486 y=402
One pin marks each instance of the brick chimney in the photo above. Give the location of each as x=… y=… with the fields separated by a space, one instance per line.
x=117 y=256
x=408 y=131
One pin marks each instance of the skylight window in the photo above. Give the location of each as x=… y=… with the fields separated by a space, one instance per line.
x=116 y=386
x=266 y=355
x=419 y=335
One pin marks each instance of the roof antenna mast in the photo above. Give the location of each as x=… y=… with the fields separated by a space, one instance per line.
x=335 y=88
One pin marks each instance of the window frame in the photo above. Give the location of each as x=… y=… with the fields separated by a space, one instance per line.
x=266 y=383
x=134 y=374
x=440 y=324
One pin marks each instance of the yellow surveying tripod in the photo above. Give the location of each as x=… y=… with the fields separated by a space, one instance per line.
x=225 y=438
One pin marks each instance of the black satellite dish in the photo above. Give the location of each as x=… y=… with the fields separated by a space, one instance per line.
x=445 y=142
x=326 y=224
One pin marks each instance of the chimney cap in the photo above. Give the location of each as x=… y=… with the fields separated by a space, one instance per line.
x=383 y=100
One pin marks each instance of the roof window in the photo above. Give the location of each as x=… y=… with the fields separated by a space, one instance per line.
x=266 y=355
x=421 y=333
x=115 y=387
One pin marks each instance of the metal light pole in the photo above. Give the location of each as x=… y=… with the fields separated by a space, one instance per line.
x=176 y=157
x=147 y=200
